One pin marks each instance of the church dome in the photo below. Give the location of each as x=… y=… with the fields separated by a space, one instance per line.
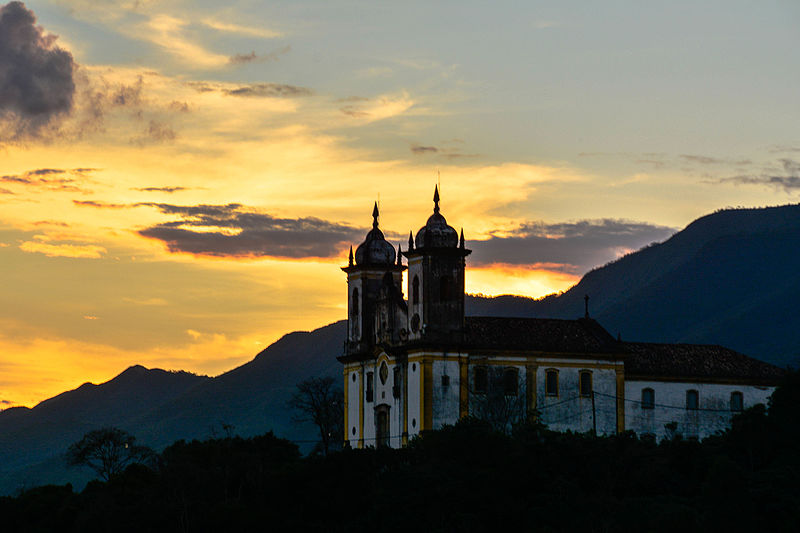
x=375 y=251
x=436 y=233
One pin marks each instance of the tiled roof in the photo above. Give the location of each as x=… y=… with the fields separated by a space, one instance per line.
x=699 y=361
x=538 y=334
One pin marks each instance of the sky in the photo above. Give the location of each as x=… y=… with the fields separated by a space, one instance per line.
x=181 y=181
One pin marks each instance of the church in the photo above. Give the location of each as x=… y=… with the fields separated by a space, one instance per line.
x=416 y=363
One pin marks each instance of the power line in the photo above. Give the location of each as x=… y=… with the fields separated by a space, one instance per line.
x=683 y=408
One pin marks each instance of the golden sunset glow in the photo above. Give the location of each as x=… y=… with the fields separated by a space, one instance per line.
x=190 y=194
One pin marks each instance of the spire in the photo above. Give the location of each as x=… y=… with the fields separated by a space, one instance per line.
x=350 y=261
x=375 y=216
x=436 y=199
x=399 y=254
x=461 y=241
x=410 y=242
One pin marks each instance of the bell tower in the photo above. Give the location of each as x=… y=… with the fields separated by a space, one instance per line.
x=372 y=274
x=436 y=263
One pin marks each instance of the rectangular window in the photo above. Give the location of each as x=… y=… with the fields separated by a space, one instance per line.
x=480 y=380
x=737 y=401
x=551 y=383
x=692 y=400
x=585 y=384
x=510 y=381
x=648 y=398
x=370 y=385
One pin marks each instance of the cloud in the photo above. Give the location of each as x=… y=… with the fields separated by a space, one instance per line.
x=270 y=90
x=707 y=160
x=53 y=179
x=576 y=246
x=155 y=132
x=379 y=108
x=90 y=251
x=37 y=83
x=160 y=189
x=241 y=30
x=418 y=149
x=447 y=152
x=234 y=230
x=252 y=57
x=789 y=182
x=99 y=205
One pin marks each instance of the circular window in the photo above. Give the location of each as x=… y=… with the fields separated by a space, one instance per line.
x=414 y=367
x=354 y=430
x=354 y=377
x=413 y=422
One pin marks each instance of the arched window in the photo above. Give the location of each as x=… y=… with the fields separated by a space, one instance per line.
x=354 y=306
x=415 y=290
x=551 y=383
x=648 y=398
x=692 y=400
x=585 y=383
x=737 y=401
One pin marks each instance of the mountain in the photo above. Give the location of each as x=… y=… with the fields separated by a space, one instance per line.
x=728 y=278
x=160 y=407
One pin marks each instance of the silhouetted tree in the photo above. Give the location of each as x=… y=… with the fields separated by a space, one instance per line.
x=320 y=401
x=108 y=451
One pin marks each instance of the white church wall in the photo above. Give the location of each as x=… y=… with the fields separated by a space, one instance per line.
x=568 y=410
x=353 y=406
x=369 y=406
x=713 y=413
x=446 y=393
x=413 y=370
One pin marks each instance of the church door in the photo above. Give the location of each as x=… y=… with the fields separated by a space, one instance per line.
x=382 y=425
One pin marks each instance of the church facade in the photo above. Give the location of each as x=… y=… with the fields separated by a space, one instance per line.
x=416 y=363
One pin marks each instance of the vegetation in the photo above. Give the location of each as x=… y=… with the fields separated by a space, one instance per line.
x=319 y=400
x=467 y=477
x=108 y=451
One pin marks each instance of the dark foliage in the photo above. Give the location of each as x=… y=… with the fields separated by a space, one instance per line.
x=467 y=477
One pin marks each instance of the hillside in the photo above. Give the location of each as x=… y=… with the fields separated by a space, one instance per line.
x=728 y=278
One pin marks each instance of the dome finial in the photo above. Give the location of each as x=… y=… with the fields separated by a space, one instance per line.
x=436 y=199
x=375 y=216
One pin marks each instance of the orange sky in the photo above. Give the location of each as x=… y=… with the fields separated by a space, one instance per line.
x=193 y=197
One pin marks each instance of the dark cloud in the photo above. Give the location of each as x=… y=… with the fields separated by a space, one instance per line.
x=417 y=149
x=708 y=160
x=5 y=191
x=353 y=111
x=234 y=230
x=576 y=246
x=99 y=205
x=37 y=83
x=50 y=178
x=239 y=59
x=252 y=57
x=181 y=107
x=255 y=90
x=155 y=132
x=51 y=223
x=448 y=152
x=789 y=181
x=160 y=189
x=776 y=149
x=53 y=179
x=274 y=90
